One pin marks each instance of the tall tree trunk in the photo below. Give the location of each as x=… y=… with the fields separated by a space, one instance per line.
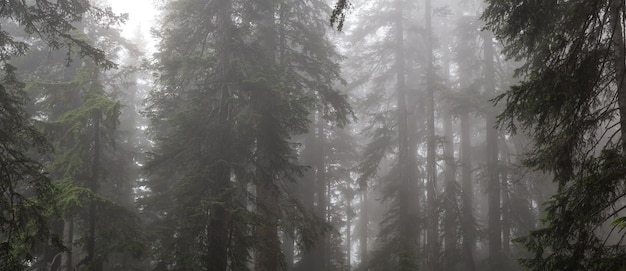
x=308 y=198
x=467 y=194
x=288 y=247
x=239 y=261
x=450 y=200
x=93 y=261
x=321 y=249
x=268 y=254
x=68 y=239
x=363 y=220
x=217 y=250
x=68 y=224
x=506 y=214
x=349 y=233
x=505 y=192
x=452 y=214
x=493 y=182
x=432 y=238
x=619 y=58
x=468 y=224
x=408 y=247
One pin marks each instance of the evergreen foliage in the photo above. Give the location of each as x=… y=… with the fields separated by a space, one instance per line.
x=570 y=101
x=28 y=196
x=26 y=189
x=252 y=161
x=224 y=117
x=389 y=69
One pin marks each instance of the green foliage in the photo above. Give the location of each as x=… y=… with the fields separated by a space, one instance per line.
x=68 y=103
x=92 y=170
x=567 y=102
x=393 y=125
x=54 y=22
x=26 y=191
x=121 y=229
x=568 y=240
x=374 y=154
x=223 y=116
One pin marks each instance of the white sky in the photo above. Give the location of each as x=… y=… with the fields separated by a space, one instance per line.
x=141 y=13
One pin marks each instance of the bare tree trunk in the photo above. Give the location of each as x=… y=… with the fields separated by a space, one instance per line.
x=450 y=200
x=493 y=182
x=238 y=251
x=288 y=247
x=467 y=185
x=619 y=58
x=505 y=191
x=217 y=250
x=68 y=239
x=363 y=229
x=408 y=249
x=322 y=260
x=469 y=235
x=432 y=229
x=452 y=213
x=93 y=261
x=506 y=215
x=268 y=254
x=349 y=234
x=308 y=199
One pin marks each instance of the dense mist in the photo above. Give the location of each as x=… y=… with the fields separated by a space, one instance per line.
x=317 y=135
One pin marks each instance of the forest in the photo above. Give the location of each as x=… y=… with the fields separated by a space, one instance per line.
x=313 y=135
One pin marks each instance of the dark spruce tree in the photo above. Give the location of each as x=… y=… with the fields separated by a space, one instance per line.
x=571 y=101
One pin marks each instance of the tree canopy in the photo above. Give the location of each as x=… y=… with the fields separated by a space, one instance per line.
x=295 y=135
x=26 y=190
x=571 y=101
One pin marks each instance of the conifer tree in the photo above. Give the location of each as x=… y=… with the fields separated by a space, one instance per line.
x=467 y=102
x=491 y=143
x=91 y=167
x=28 y=192
x=570 y=101
x=388 y=69
x=230 y=129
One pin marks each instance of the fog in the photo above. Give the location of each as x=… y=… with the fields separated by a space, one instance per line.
x=312 y=135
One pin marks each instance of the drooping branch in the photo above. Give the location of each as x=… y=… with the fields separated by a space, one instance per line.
x=339 y=14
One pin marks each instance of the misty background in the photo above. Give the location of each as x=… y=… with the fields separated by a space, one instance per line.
x=312 y=135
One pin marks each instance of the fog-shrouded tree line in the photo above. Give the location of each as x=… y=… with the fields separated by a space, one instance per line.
x=314 y=135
